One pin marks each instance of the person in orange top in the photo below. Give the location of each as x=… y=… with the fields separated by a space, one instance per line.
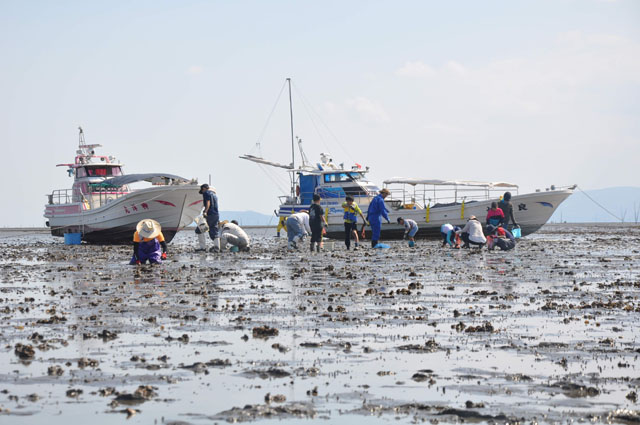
x=148 y=243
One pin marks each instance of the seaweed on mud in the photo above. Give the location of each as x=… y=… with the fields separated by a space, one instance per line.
x=251 y=412
x=264 y=332
x=429 y=346
x=574 y=390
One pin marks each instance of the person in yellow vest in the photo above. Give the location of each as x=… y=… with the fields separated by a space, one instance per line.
x=148 y=243
x=351 y=212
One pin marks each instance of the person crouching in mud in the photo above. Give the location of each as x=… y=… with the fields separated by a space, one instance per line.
x=377 y=210
x=501 y=238
x=297 y=228
x=449 y=235
x=231 y=233
x=148 y=243
x=472 y=233
x=410 y=228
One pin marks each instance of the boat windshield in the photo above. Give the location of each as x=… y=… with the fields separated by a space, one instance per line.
x=346 y=176
x=100 y=171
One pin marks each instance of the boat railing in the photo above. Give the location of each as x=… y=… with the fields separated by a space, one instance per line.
x=414 y=198
x=61 y=196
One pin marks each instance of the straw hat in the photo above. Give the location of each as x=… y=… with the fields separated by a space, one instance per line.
x=148 y=228
x=384 y=191
x=222 y=223
x=473 y=217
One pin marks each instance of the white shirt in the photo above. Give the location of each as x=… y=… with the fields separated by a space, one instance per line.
x=446 y=228
x=409 y=224
x=236 y=230
x=474 y=228
x=303 y=219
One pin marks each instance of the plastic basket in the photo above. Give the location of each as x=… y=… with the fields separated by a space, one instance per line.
x=516 y=232
x=72 y=238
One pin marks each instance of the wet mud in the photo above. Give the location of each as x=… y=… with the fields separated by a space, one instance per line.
x=547 y=333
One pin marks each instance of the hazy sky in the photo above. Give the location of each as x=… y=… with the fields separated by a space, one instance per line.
x=532 y=92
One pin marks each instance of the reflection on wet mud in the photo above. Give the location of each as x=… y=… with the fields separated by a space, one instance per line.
x=545 y=333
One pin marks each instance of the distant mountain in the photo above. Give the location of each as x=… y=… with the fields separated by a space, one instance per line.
x=623 y=202
x=249 y=218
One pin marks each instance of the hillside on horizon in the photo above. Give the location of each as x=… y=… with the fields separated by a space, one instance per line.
x=582 y=206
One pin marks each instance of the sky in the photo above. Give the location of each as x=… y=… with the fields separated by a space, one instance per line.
x=530 y=92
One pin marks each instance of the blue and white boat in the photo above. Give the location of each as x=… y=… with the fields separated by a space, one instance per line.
x=431 y=203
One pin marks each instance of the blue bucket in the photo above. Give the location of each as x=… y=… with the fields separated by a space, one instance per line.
x=72 y=238
x=516 y=232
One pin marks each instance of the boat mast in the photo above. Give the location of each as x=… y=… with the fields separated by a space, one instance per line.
x=293 y=151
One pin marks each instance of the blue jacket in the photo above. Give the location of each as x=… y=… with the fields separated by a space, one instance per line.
x=377 y=208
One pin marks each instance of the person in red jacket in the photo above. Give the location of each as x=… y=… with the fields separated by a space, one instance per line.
x=495 y=216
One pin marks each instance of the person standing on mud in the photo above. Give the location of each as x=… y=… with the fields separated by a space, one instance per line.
x=351 y=212
x=210 y=203
x=316 y=222
x=376 y=211
x=507 y=208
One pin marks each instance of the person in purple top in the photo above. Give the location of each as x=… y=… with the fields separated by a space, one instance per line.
x=377 y=210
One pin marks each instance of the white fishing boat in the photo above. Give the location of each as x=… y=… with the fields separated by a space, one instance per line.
x=431 y=203
x=103 y=208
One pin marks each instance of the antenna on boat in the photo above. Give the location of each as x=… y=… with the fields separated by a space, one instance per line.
x=293 y=150
x=80 y=136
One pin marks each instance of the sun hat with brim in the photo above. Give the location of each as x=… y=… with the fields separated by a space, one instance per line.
x=385 y=190
x=223 y=222
x=148 y=228
x=473 y=217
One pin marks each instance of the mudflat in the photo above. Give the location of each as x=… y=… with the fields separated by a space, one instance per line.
x=545 y=333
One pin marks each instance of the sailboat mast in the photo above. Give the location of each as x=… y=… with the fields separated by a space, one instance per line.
x=293 y=151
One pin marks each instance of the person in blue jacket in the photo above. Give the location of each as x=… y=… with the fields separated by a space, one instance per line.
x=377 y=210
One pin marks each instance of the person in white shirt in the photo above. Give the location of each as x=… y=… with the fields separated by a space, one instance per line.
x=297 y=228
x=410 y=228
x=232 y=234
x=472 y=233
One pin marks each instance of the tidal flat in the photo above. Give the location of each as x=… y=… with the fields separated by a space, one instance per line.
x=547 y=333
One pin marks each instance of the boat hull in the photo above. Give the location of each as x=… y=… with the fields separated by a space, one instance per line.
x=531 y=212
x=174 y=207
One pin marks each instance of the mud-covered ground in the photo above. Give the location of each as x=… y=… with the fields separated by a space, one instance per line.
x=546 y=333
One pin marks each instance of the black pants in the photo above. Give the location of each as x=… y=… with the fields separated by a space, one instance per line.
x=316 y=234
x=465 y=238
x=348 y=228
x=505 y=244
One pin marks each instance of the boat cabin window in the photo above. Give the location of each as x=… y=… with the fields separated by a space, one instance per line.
x=101 y=171
x=342 y=177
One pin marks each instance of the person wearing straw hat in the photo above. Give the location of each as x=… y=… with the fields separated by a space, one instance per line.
x=376 y=211
x=148 y=243
x=210 y=204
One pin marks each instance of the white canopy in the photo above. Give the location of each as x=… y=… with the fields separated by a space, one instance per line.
x=415 y=181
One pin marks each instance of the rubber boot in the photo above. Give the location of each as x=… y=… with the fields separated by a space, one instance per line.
x=216 y=245
x=374 y=243
x=311 y=245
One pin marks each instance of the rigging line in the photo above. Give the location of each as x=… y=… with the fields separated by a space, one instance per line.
x=598 y=204
x=309 y=111
x=266 y=124
x=271 y=178
x=340 y=145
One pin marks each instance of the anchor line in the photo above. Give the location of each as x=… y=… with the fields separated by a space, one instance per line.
x=598 y=204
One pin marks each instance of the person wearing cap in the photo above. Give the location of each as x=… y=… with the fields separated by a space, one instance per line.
x=501 y=238
x=148 y=243
x=410 y=228
x=376 y=211
x=472 y=233
x=232 y=234
x=351 y=213
x=210 y=212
